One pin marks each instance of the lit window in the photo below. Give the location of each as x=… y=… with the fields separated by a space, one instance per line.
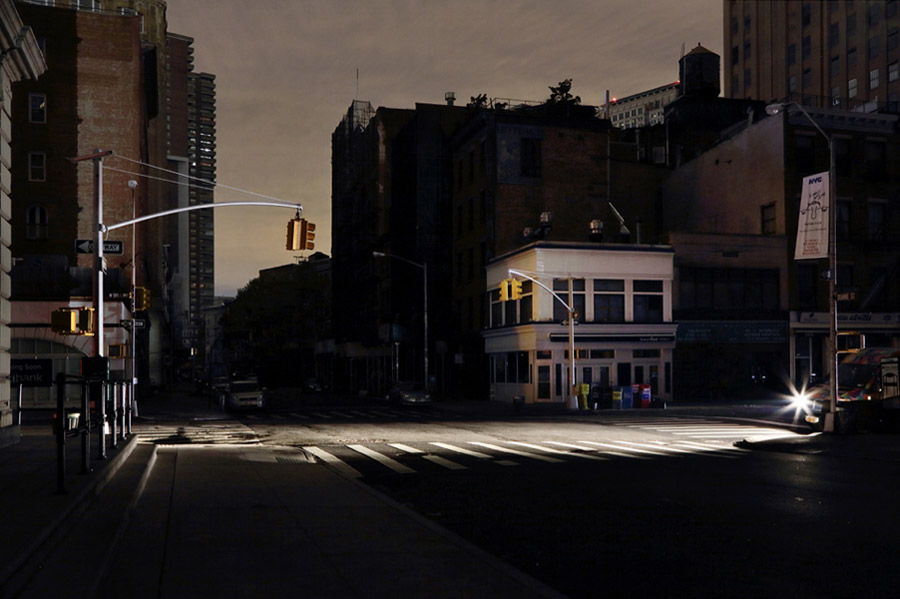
x=37 y=166
x=893 y=71
x=851 y=88
x=37 y=108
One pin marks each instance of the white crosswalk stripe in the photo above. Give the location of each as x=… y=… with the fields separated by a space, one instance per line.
x=552 y=452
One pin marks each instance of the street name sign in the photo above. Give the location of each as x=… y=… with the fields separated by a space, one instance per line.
x=86 y=246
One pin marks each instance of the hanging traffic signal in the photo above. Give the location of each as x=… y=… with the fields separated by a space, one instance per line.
x=504 y=290
x=141 y=299
x=515 y=289
x=72 y=321
x=294 y=238
x=307 y=234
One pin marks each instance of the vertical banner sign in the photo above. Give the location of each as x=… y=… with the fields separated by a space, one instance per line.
x=812 y=228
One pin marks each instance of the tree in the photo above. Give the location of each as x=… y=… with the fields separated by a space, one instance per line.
x=560 y=94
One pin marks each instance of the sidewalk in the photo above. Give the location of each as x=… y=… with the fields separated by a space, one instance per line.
x=373 y=536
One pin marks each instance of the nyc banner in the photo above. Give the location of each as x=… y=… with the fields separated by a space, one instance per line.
x=812 y=228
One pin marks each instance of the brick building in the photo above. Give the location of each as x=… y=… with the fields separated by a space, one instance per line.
x=842 y=55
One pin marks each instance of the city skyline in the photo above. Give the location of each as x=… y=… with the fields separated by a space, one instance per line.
x=278 y=102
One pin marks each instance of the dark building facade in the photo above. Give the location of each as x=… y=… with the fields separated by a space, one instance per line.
x=841 y=55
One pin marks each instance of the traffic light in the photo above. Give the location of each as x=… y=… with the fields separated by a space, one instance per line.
x=141 y=299
x=504 y=290
x=72 y=321
x=307 y=235
x=294 y=239
x=300 y=235
x=117 y=350
x=516 y=289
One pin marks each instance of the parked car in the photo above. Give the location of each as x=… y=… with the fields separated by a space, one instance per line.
x=244 y=394
x=409 y=394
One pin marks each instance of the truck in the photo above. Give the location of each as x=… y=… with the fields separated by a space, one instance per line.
x=867 y=385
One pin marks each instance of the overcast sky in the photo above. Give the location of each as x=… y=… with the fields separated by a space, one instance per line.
x=286 y=72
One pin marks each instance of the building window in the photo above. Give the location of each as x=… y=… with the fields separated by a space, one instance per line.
x=805 y=15
x=851 y=58
x=792 y=84
x=835 y=65
x=877 y=216
x=561 y=287
x=735 y=56
x=807 y=279
x=37 y=108
x=842 y=220
x=843 y=162
x=893 y=71
x=747 y=52
x=851 y=88
x=851 y=25
x=647 y=307
x=768 y=219
x=37 y=166
x=874 y=76
x=874 y=46
x=893 y=39
x=531 y=157
x=807 y=78
x=609 y=300
x=748 y=79
x=806 y=47
x=875 y=158
x=834 y=35
x=526 y=303
x=36 y=223
x=791 y=54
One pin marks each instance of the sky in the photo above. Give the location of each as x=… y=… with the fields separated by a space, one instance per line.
x=287 y=71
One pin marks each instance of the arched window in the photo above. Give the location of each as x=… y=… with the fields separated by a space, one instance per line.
x=36 y=223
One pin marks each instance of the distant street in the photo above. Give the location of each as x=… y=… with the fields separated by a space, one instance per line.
x=633 y=503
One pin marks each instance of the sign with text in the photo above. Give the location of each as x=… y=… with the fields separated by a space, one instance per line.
x=31 y=373
x=812 y=228
x=86 y=246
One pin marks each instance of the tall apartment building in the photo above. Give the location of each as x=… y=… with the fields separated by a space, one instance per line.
x=20 y=59
x=840 y=54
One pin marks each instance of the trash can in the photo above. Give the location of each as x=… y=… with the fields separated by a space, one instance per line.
x=617 y=399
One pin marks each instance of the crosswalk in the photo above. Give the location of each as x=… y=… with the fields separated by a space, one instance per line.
x=703 y=428
x=412 y=458
x=231 y=432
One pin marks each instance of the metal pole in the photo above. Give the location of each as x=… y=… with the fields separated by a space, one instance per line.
x=133 y=185
x=85 y=430
x=832 y=288
x=574 y=396
x=98 y=254
x=425 y=322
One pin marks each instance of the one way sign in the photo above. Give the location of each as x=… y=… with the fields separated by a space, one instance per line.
x=86 y=246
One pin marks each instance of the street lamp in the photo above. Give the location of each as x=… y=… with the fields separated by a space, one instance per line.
x=424 y=267
x=830 y=407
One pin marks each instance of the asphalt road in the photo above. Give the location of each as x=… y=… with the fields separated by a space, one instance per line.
x=642 y=504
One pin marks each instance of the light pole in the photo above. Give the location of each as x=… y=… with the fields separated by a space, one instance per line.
x=132 y=185
x=830 y=407
x=424 y=267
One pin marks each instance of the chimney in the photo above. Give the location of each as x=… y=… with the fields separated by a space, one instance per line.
x=450 y=98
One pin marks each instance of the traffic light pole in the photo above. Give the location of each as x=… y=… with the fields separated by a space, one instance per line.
x=574 y=396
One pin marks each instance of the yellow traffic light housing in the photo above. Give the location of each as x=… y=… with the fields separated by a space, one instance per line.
x=294 y=237
x=504 y=290
x=307 y=234
x=515 y=289
x=141 y=299
x=72 y=321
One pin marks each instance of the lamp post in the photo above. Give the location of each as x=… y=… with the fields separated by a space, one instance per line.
x=830 y=407
x=424 y=267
